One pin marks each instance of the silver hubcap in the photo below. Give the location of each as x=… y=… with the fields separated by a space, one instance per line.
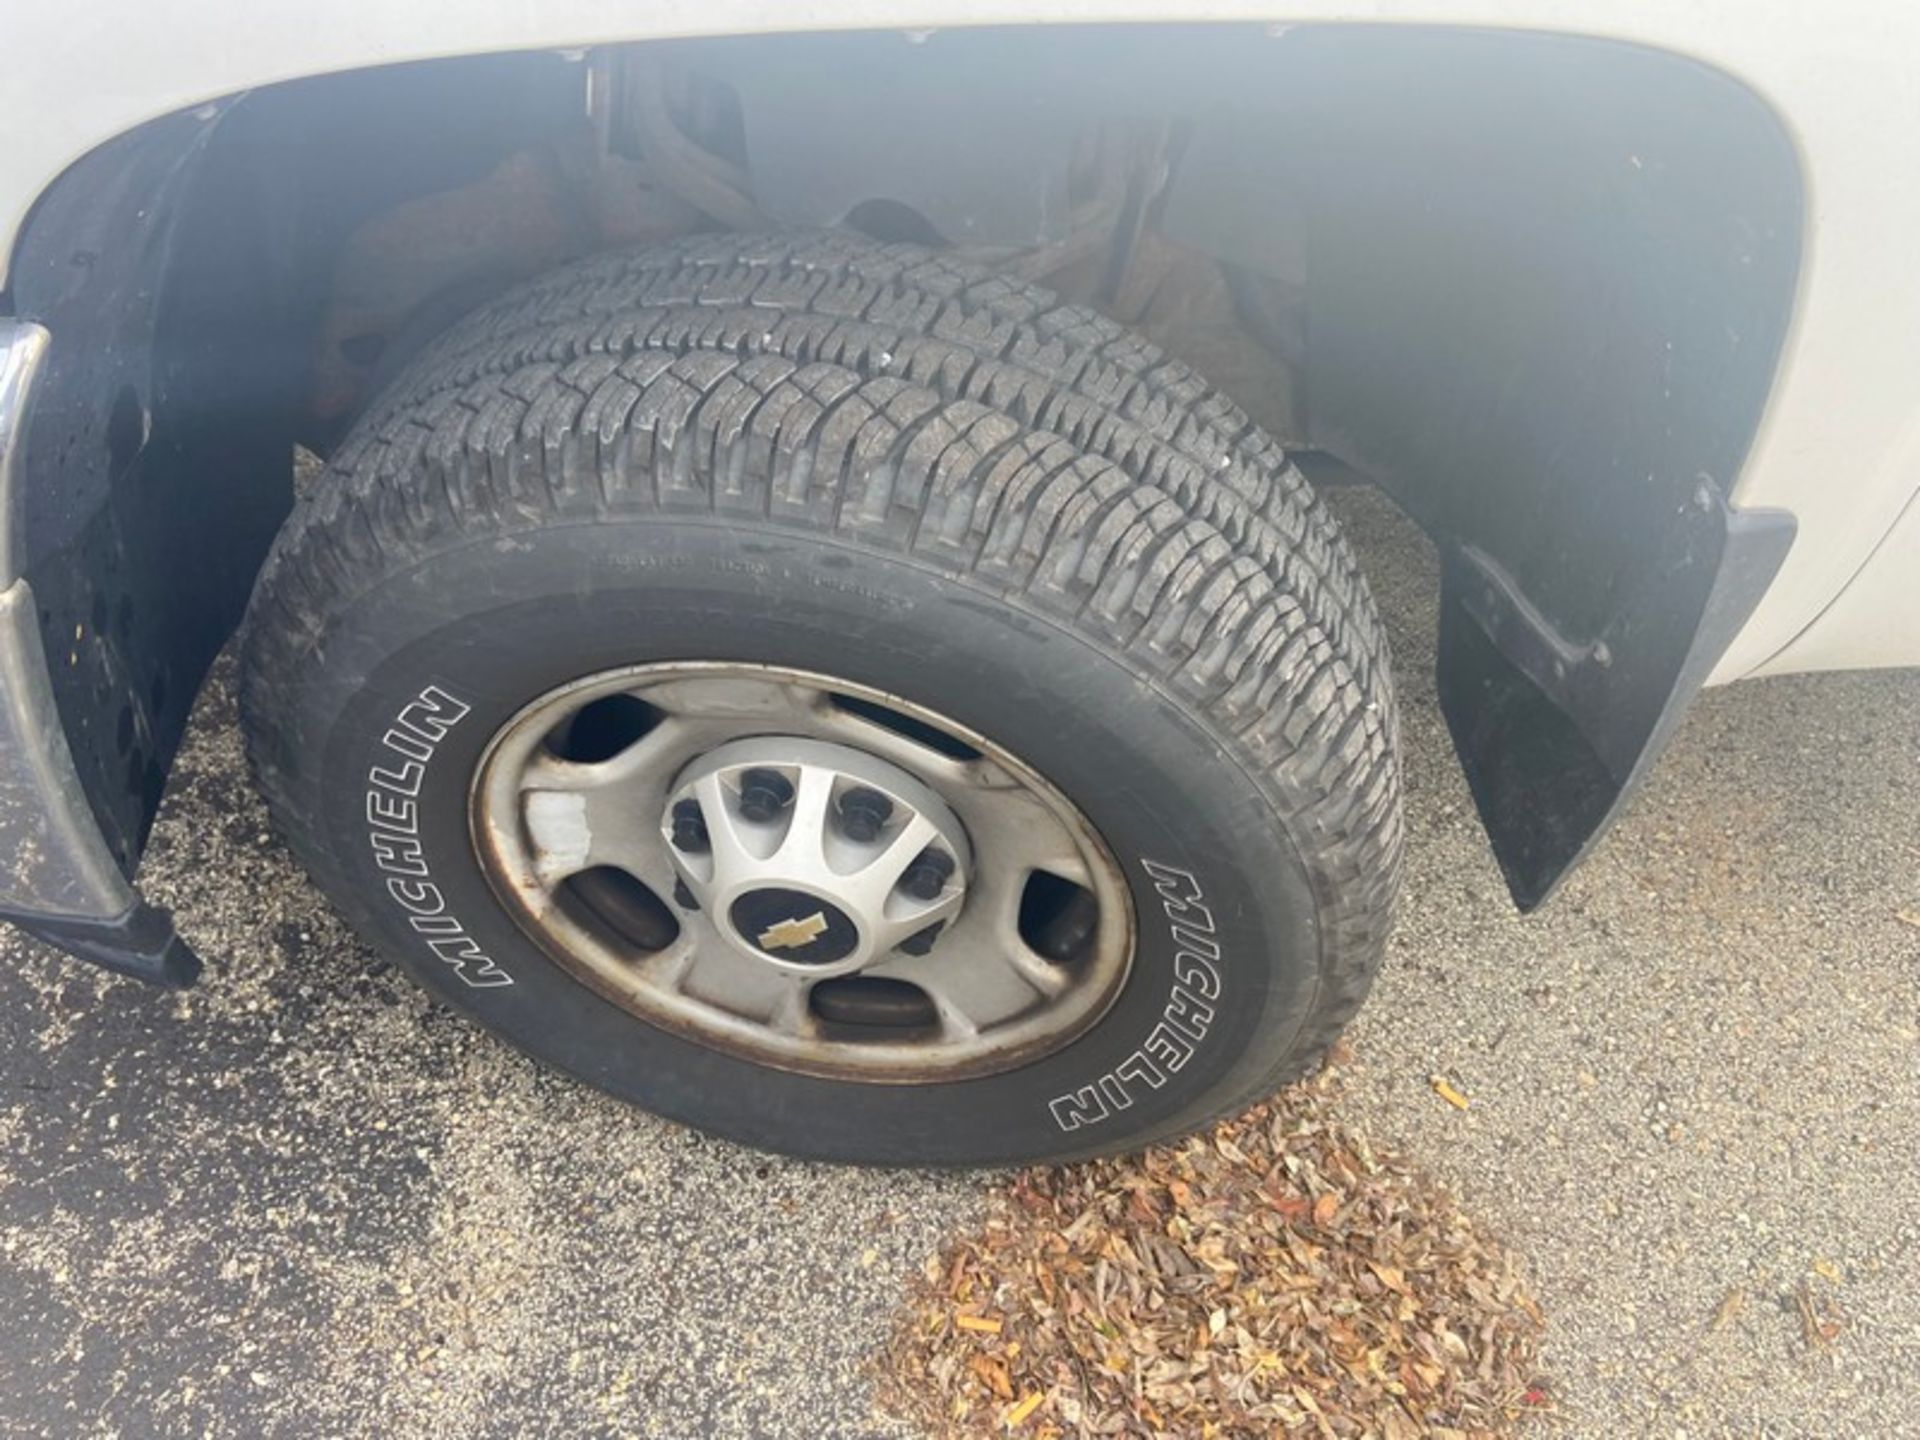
x=805 y=872
x=813 y=856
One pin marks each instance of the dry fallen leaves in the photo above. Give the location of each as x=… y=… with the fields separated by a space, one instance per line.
x=1728 y=1310
x=1275 y=1274
x=1820 y=1319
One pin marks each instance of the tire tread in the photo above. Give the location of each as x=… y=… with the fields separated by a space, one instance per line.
x=906 y=402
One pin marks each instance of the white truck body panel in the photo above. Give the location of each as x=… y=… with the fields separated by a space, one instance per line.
x=1839 y=446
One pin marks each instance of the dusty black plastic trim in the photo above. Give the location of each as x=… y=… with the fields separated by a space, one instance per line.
x=141 y=943
x=140 y=489
x=1554 y=739
x=157 y=465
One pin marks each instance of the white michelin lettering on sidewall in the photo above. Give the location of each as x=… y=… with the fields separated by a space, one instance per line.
x=393 y=821
x=1184 y=1021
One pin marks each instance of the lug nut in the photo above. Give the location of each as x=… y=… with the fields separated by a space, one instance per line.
x=928 y=874
x=689 y=828
x=764 y=794
x=921 y=941
x=862 y=813
x=683 y=897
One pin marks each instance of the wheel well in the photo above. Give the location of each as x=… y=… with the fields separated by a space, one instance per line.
x=1534 y=286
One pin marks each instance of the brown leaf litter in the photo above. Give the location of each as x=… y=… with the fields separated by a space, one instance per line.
x=1275 y=1276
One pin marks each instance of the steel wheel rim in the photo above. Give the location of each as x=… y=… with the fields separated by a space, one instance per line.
x=561 y=828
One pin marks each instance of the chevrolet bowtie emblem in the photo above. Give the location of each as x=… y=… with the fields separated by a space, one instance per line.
x=792 y=934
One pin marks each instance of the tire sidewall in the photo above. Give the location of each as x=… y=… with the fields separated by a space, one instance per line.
x=1227 y=956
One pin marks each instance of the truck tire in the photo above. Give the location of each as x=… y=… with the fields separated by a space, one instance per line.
x=840 y=699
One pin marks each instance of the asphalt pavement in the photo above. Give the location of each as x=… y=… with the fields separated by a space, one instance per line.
x=302 y=1201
